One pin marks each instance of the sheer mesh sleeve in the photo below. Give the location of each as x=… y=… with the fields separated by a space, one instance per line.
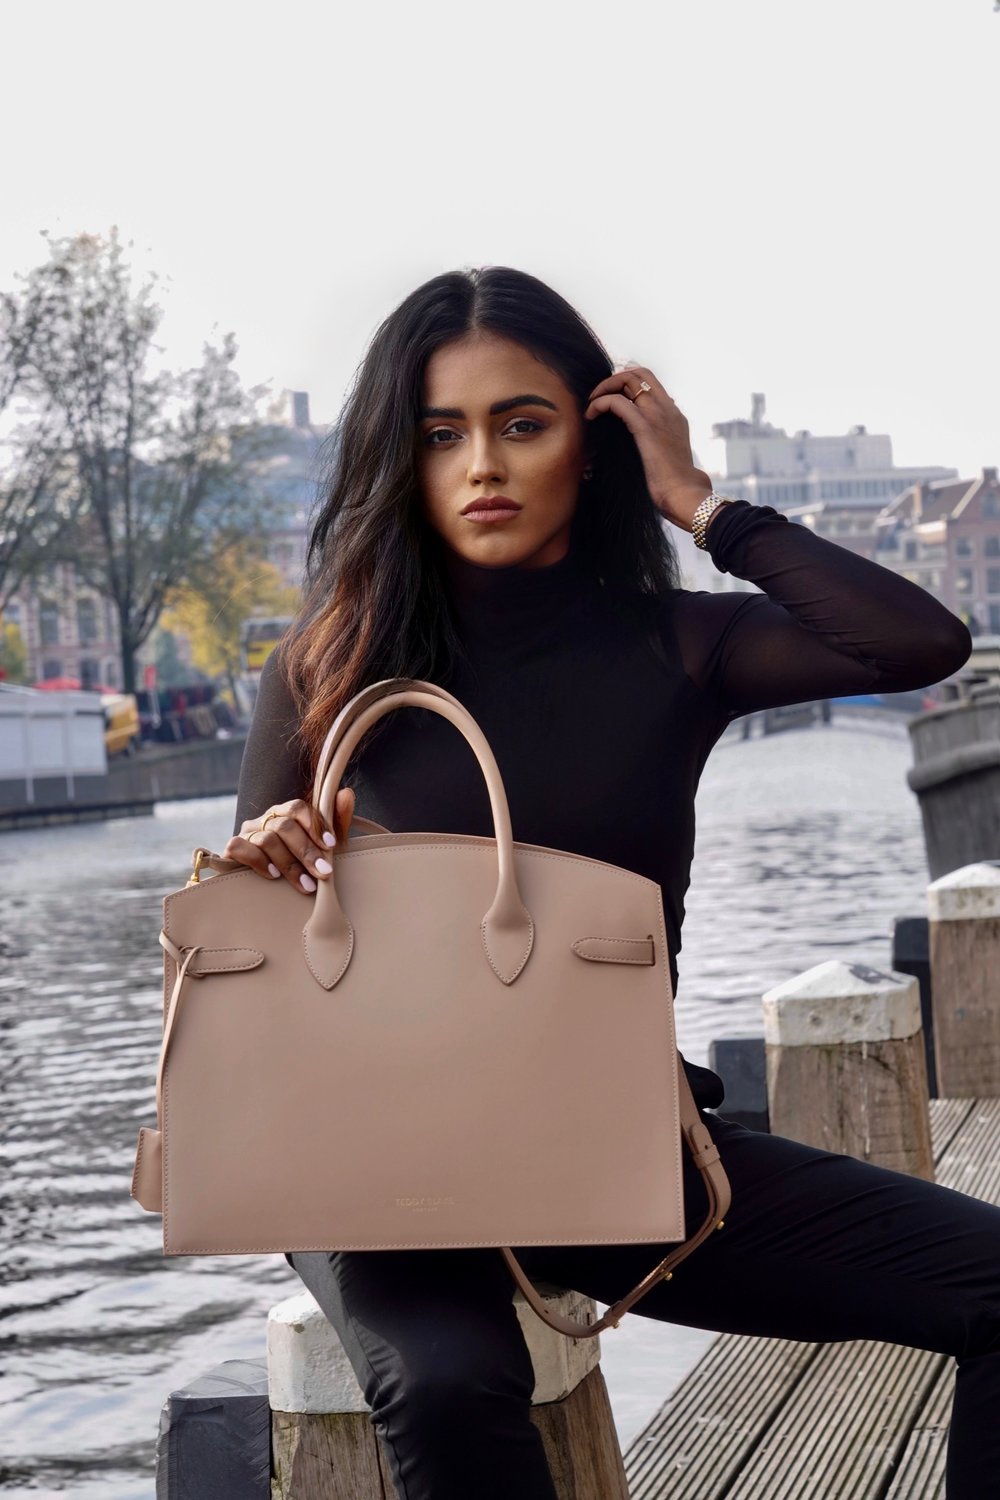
x=272 y=769
x=828 y=622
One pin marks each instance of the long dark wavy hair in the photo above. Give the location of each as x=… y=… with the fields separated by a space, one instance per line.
x=372 y=606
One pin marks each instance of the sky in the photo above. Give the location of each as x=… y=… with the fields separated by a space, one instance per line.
x=786 y=197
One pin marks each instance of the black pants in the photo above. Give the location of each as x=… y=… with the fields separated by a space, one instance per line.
x=816 y=1246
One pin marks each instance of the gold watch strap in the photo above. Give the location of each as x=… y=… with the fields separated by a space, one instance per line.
x=700 y=519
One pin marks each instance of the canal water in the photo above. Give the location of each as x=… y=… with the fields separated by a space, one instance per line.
x=809 y=845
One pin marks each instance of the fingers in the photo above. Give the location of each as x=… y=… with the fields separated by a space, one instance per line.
x=625 y=381
x=617 y=402
x=295 y=845
x=252 y=855
x=343 y=811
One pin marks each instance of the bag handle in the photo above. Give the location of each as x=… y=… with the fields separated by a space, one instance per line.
x=507 y=929
x=362 y=700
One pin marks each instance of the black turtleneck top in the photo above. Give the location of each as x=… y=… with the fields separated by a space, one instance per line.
x=601 y=727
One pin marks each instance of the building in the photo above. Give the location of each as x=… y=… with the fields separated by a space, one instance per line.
x=68 y=630
x=762 y=463
x=289 y=475
x=836 y=484
x=945 y=535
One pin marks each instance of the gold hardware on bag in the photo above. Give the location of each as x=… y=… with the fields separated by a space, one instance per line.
x=195 y=877
x=720 y=1224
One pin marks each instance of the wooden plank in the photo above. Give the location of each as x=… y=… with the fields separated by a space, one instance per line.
x=844 y=1428
x=972 y=1161
x=701 y=1436
x=947 y=1116
x=972 y=1164
x=920 y=1475
x=754 y=1417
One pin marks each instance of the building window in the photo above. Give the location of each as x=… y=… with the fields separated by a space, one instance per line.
x=964 y=547
x=991 y=504
x=51 y=668
x=993 y=580
x=86 y=620
x=964 y=581
x=89 y=672
x=991 y=546
x=994 y=618
x=48 y=624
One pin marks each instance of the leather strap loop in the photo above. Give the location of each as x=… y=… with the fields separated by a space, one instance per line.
x=170 y=1023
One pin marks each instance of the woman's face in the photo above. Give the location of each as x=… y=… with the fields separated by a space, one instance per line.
x=533 y=452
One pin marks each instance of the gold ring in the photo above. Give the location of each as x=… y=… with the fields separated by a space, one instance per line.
x=250 y=837
x=267 y=815
x=644 y=385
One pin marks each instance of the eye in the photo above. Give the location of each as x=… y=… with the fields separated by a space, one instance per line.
x=447 y=432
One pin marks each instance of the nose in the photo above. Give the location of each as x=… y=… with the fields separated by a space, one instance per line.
x=484 y=461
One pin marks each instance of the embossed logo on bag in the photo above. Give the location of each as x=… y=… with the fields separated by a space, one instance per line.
x=423 y=1205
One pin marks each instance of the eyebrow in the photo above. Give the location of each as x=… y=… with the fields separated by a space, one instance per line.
x=495 y=409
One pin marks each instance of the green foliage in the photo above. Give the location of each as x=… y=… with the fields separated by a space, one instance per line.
x=234 y=581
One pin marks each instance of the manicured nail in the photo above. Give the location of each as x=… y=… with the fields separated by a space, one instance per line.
x=273 y=870
x=324 y=866
x=328 y=838
x=306 y=882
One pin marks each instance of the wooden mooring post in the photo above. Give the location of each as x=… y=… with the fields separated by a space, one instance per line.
x=324 y=1445
x=963 y=910
x=845 y=1064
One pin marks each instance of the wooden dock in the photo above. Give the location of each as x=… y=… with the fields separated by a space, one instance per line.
x=856 y=1420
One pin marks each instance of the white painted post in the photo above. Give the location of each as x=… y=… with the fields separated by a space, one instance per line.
x=963 y=912
x=846 y=1069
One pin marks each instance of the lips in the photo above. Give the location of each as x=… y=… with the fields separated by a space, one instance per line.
x=494 y=502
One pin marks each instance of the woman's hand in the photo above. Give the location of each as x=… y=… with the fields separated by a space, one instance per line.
x=295 y=842
x=660 y=430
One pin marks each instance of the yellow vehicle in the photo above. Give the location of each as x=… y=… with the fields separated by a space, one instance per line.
x=259 y=634
x=122 y=731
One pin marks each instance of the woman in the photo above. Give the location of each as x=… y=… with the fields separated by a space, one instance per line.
x=601 y=686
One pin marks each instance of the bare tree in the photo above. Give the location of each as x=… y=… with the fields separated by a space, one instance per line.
x=161 y=461
x=39 y=496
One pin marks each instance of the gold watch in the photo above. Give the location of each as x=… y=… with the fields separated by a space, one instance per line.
x=699 y=521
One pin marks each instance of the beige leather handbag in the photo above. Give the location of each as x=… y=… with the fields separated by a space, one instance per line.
x=459 y=1041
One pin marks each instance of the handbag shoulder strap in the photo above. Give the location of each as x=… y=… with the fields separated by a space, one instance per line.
x=706 y=1157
